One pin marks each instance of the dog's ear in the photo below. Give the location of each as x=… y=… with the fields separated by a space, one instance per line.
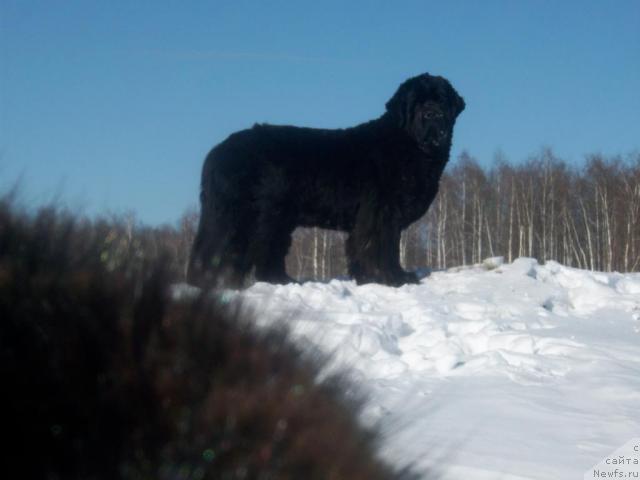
x=458 y=103
x=400 y=107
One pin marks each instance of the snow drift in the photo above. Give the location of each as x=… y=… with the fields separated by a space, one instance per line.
x=515 y=371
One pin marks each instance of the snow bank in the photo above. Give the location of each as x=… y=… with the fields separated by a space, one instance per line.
x=515 y=371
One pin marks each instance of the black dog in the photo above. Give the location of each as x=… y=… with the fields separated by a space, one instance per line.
x=372 y=180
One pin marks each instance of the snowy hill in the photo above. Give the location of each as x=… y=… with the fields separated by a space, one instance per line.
x=510 y=371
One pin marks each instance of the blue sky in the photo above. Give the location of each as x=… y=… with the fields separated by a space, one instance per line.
x=112 y=106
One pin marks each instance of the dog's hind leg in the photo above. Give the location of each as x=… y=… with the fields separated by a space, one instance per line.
x=269 y=249
x=274 y=223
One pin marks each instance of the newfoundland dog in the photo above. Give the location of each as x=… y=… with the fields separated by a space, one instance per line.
x=372 y=180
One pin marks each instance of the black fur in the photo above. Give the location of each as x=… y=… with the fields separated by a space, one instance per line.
x=372 y=180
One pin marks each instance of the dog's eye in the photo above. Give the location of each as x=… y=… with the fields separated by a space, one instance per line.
x=430 y=115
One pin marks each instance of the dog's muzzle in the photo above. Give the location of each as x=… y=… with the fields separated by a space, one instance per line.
x=435 y=137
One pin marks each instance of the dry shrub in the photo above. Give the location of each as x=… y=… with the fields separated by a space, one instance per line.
x=105 y=376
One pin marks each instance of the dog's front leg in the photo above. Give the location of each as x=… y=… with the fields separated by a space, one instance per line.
x=373 y=247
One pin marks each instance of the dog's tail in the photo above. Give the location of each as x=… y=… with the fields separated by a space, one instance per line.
x=218 y=257
x=204 y=248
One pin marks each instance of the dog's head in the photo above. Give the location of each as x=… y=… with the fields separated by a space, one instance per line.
x=426 y=107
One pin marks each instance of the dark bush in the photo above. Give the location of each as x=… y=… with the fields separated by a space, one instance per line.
x=106 y=376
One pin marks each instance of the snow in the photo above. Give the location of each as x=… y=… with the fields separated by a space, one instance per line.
x=511 y=371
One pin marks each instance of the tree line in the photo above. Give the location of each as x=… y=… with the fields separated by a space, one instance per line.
x=585 y=216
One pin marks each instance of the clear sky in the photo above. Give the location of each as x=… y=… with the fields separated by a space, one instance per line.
x=112 y=105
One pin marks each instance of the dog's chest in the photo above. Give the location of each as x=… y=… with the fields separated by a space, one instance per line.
x=417 y=186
